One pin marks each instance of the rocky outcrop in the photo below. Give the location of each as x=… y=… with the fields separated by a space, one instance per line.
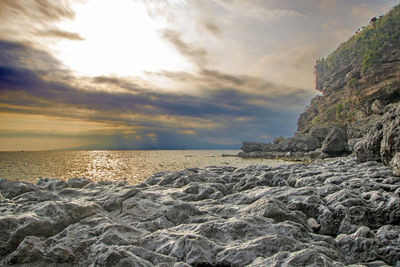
x=360 y=102
x=383 y=140
x=321 y=142
x=359 y=78
x=330 y=213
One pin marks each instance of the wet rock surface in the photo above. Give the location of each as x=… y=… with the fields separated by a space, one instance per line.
x=335 y=212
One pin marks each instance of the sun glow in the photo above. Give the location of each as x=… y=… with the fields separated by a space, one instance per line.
x=120 y=38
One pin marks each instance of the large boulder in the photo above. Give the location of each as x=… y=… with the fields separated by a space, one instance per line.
x=254 y=146
x=321 y=132
x=303 y=142
x=395 y=164
x=251 y=146
x=377 y=107
x=335 y=143
x=368 y=148
x=390 y=144
x=383 y=140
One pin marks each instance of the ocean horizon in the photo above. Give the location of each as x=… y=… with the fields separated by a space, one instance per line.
x=133 y=166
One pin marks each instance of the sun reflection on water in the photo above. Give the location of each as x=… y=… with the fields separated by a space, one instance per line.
x=130 y=166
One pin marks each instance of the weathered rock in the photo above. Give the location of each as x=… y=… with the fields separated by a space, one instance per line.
x=377 y=107
x=335 y=143
x=302 y=142
x=390 y=144
x=336 y=212
x=395 y=164
x=277 y=140
x=321 y=132
x=383 y=140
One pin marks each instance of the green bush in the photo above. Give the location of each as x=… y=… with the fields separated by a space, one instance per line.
x=364 y=48
x=352 y=82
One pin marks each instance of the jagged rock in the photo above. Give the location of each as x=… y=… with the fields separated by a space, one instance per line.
x=253 y=146
x=302 y=142
x=335 y=212
x=335 y=143
x=277 y=140
x=320 y=132
x=13 y=189
x=313 y=224
x=390 y=144
x=395 y=164
x=377 y=107
x=368 y=148
x=383 y=140
x=352 y=143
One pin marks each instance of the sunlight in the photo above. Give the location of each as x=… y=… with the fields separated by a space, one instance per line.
x=119 y=38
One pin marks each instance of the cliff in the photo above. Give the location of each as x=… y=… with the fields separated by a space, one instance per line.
x=363 y=69
x=358 y=110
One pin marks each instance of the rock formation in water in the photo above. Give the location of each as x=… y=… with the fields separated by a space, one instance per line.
x=359 y=109
x=330 y=213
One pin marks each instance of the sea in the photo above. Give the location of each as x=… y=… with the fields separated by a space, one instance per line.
x=106 y=165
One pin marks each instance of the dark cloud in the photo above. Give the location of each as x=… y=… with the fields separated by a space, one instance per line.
x=211 y=28
x=191 y=52
x=224 y=111
x=214 y=74
x=56 y=33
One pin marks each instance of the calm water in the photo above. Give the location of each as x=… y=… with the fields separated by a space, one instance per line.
x=132 y=166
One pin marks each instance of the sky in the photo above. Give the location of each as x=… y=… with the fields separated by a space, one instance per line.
x=163 y=74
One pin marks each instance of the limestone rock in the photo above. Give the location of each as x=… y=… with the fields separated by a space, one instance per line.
x=377 y=107
x=395 y=164
x=335 y=143
x=334 y=212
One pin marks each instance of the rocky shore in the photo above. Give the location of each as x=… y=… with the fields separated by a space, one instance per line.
x=358 y=111
x=374 y=138
x=334 y=212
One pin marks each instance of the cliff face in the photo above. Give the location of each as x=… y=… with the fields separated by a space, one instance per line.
x=359 y=109
x=362 y=70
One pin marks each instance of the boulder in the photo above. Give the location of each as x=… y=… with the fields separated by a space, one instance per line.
x=383 y=140
x=390 y=144
x=254 y=147
x=320 y=132
x=278 y=139
x=377 y=107
x=367 y=149
x=335 y=143
x=303 y=142
x=251 y=146
x=395 y=164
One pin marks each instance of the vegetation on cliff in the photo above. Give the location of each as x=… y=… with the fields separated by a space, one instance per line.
x=365 y=49
x=362 y=70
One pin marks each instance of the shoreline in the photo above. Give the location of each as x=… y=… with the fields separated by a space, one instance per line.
x=333 y=212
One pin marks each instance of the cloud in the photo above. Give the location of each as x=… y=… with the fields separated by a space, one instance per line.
x=327 y=4
x=37 y=11
x=26 y=20
x=290 y=67
x=191 y=52
x=229 y=106
x=56 y=33
x=363 y=11
x=257 y=9
x=211 y=28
